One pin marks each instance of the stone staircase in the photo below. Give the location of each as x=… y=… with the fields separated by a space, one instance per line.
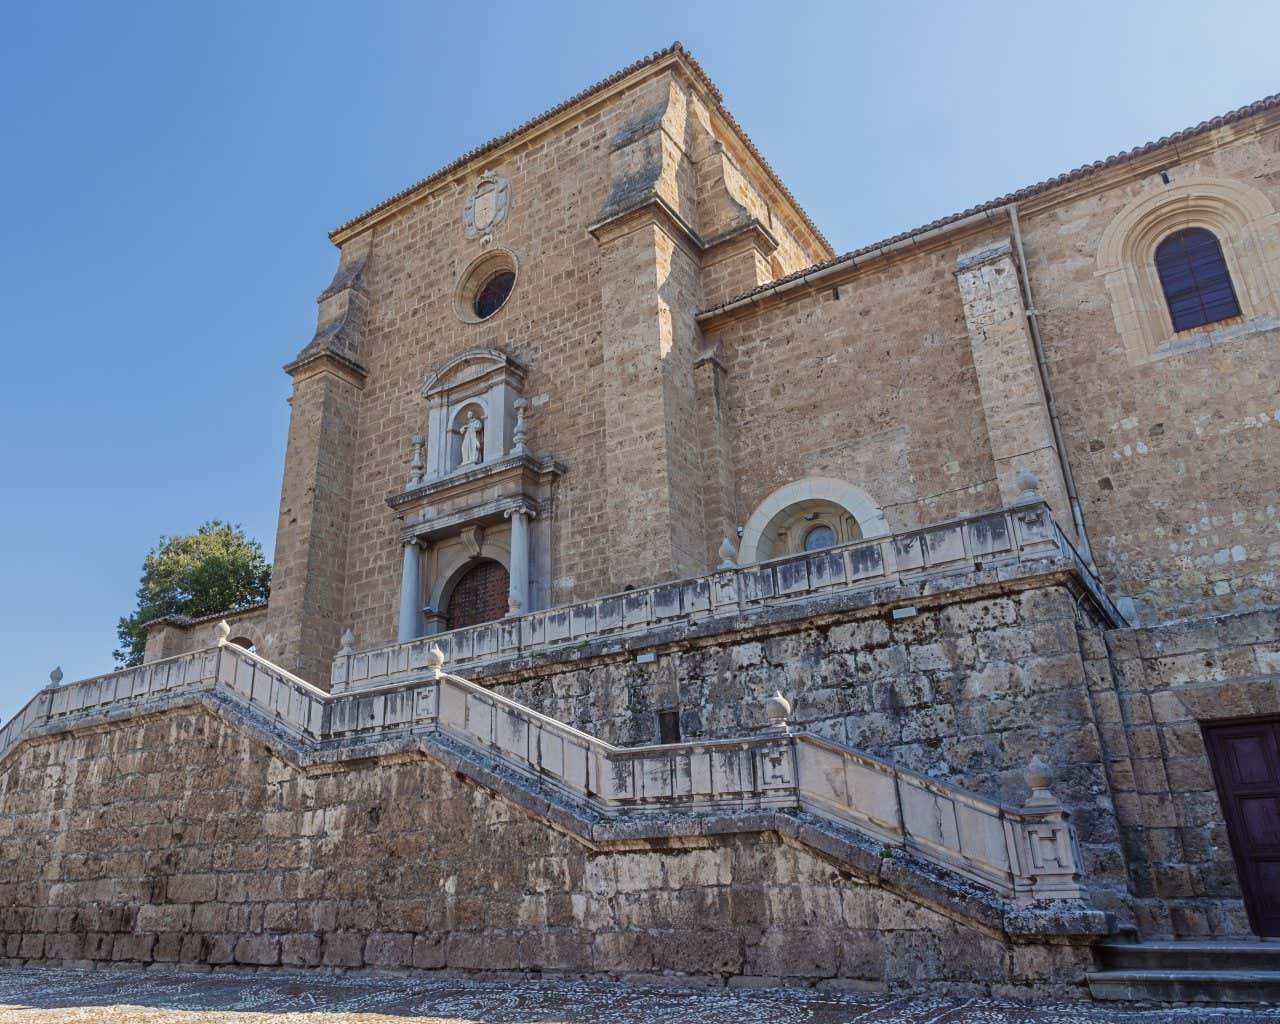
x=1012 y=869
x=1187 y=971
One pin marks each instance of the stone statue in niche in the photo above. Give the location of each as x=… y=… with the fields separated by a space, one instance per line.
x=472 y=433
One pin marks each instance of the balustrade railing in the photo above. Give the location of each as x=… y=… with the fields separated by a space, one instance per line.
x=1024 y=854
x=995 y=541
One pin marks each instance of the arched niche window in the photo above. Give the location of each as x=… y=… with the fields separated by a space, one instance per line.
x=809 y=514
x=807 y=526
x=1195 y=279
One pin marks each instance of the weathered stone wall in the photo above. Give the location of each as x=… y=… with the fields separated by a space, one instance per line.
x=180 y=839
x=966 y=691
x=1169 y=680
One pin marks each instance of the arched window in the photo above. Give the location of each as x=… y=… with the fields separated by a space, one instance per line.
x=1197 y=285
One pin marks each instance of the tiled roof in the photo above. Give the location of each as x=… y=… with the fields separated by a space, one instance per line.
x=600 y=86
x=185 y=622
x=1269 y=103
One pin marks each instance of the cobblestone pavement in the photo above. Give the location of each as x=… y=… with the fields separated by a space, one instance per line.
x=123 y=996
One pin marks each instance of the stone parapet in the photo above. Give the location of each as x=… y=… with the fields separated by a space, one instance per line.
x=839 y=801
x=900 y=567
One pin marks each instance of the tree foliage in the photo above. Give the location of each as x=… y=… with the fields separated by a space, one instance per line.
x=215 y=569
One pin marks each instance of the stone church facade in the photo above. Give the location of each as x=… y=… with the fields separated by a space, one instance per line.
x=596 y=418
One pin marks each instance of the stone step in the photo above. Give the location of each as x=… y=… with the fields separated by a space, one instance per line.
x=1188 y=954
x=1258 y=987
x=1202 y=971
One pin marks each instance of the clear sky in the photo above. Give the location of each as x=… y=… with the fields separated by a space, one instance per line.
x=170 y=171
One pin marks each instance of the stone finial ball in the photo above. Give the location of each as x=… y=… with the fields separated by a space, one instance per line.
x=435 y=658
x=776 y=707
x=1028 y=481
x=1037 y=775
x=222 y=630
x=55 y=677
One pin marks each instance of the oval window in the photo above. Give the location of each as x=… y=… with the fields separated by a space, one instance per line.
x=493 y=293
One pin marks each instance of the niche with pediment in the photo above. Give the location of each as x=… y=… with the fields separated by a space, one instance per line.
x=477 y=499
x=471 y=411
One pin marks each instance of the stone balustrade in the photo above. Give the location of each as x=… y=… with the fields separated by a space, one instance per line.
x=1004 y=542
x=1022 y=854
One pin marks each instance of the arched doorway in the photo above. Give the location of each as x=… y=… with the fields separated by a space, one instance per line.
x=480 y=595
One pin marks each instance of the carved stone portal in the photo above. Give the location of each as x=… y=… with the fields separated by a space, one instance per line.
x=482 y=495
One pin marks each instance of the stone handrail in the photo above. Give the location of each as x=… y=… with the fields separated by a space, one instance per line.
x=998 y=540
x=1023 y=854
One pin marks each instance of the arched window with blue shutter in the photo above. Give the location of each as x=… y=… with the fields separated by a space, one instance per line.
x=1197 y=285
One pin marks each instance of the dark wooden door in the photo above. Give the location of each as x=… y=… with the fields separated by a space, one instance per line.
x=480 y=596
x=1246 y=766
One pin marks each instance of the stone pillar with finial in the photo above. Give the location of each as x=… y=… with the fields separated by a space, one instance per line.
x=1039 y=777
x=435 y=661
x=222 y=631
x=1029 y=486
x=340 y=667
x=728 y=555
x=777 y=710
x=55 y=678
x=416 y=468
x=520 y=435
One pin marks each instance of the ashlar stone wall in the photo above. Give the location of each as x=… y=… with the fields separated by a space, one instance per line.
x=179 y=839
x=863 y=384
x=1168 y=681
x=1174 y=452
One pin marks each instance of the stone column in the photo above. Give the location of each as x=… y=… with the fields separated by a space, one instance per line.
x=410 y=602
x=518 y=596
x=1013 y=403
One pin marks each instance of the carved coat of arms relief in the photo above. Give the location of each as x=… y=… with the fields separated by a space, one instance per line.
x=486 y=207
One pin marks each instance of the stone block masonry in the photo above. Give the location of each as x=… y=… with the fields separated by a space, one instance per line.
x=179 y=839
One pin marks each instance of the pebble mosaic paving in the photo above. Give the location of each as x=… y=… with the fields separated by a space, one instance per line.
x=164 y=996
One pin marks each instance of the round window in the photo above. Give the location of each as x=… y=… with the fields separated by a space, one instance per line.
x=485 y=286
x=821 y=536
x=493 y=293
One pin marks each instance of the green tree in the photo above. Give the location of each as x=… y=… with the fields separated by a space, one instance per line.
x=215 y=569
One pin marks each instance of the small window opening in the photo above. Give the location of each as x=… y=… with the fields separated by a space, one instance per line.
x=1196 y=282
x=669 y=726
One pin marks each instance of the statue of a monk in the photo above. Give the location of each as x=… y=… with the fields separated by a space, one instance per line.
x=472 y=439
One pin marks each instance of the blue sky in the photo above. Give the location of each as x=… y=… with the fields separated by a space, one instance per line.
x=170 y=171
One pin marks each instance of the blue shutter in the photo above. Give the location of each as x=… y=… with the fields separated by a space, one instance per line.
x=1197 y=285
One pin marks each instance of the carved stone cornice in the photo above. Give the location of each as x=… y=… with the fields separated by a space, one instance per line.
x=649 y=209
x=316 y=363
x=751 y=234
x=479 y=497
x=536 y=470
